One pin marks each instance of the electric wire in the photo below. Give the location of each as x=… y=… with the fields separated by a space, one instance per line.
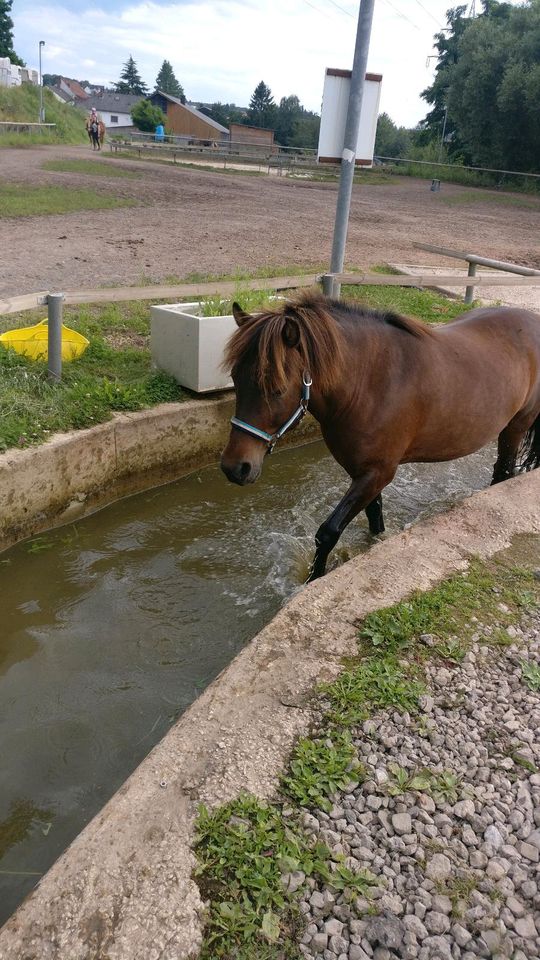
x=429 y=13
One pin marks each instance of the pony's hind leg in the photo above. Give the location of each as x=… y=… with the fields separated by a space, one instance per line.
x=509 y=443
x=374 y=513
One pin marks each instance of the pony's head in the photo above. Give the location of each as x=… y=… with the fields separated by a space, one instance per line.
x=272 y=357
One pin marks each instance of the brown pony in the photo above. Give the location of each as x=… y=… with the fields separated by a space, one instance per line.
x=386 y=390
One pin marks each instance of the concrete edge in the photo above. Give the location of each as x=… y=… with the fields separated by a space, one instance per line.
x=124 y=888
x=74 y=474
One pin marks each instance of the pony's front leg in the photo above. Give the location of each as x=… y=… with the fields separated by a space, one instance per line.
x=362 y=493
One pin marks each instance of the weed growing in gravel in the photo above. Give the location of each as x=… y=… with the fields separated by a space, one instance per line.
x=449 y=609
x=442 y=786
x=530 y=673
x=321 y=767
x=245 y=849
x=459 y=890
x=374 y=683
x=451 y=649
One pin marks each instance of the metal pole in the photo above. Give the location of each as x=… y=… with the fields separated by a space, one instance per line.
x=469 y=291
x=54 y=304
x=441 y=145
x=352 y=126
x=41 y=44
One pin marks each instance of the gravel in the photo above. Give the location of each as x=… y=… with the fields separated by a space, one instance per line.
x=458 y=870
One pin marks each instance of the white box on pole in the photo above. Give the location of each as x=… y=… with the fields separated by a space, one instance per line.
x=334 y=116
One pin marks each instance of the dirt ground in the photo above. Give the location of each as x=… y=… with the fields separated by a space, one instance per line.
x=191 y=221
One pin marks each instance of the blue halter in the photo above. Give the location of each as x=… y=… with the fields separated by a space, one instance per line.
x=272 y=438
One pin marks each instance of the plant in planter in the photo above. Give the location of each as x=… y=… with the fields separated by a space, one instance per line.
x=188 y=339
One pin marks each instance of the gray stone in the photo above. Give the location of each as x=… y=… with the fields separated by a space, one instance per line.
x=528 y=851
x=402 y=823
x=385 y=930
x=493 y=836
x=441 y=904
x=525 y=927
x=515 y=906
x=437 y=922
x=357 y=953
x=319 y=942
x=438 y=948
x=464 y=809
x=460 y=935
x=333 y=927
x=438 y=868
x=496 y=869
x=414 y=925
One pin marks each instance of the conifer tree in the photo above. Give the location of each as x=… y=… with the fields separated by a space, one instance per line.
x=167 y=82
x=262 y=109
x=130 y=81
x=6 y=33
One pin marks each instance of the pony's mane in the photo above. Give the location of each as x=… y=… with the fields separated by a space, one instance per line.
x=263 y=337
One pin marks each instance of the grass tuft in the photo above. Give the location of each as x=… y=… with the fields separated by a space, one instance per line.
x=24 y=200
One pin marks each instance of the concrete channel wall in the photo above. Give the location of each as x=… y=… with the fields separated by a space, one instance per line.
x=123 y=889
x=75 y=473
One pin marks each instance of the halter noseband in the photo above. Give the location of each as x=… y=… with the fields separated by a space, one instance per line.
x=272 y=438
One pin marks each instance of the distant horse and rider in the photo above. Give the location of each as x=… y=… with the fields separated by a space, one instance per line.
x=386 y=389
x=95 y=129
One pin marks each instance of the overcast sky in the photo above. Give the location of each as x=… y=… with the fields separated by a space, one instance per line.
x=221 y=50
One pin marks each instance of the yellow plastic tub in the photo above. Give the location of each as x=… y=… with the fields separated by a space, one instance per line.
x=32 y=342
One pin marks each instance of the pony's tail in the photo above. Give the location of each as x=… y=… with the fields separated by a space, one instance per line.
x=530 y=448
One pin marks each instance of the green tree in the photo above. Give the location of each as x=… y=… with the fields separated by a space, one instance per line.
x=130 y=81
x=167 y=82
x=488 y=80
x=224 y=113
x=391 y=140
x=262 y=109
x=447 y=44
x=146 y=116
x=6 y=33
x=289 y=113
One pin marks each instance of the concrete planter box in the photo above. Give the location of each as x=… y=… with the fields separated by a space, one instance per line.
x=189 y=346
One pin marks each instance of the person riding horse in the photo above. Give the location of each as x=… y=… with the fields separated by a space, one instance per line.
x=95 y=129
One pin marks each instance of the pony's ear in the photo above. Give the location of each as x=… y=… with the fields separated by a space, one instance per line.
x=239 y=315
x=291 y=333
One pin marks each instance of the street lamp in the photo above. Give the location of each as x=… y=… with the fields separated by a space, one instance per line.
x=41 y=114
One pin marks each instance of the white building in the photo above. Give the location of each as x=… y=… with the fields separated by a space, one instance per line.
x=113 y=108
x=11 y=75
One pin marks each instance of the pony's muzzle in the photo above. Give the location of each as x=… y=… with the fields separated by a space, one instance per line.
x=241 y=472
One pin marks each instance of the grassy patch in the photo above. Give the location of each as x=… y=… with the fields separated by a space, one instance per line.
x=530 y=673
x=23 y=200
x=115 y=373
x=497 y=199
x=21 y=105
x=319 y=768
x=252 y=301
x=372 y=684
x=247 y=850
x=449 y=608
x=427 y=305
x=89 y=168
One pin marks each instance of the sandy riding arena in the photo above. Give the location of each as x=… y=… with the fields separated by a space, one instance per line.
x=183 y=221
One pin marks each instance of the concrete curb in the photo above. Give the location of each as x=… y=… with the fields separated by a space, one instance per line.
x=123 y=889
x=75 y=473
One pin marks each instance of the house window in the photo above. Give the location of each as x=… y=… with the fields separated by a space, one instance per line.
x=114 y=119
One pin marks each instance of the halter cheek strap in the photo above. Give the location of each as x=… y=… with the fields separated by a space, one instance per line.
x=272 y=438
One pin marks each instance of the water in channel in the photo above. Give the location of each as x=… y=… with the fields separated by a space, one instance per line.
x=112 y=626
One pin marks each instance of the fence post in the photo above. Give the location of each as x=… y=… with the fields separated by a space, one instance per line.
x=328 y=284
x=469 y=291
x=54 y=310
